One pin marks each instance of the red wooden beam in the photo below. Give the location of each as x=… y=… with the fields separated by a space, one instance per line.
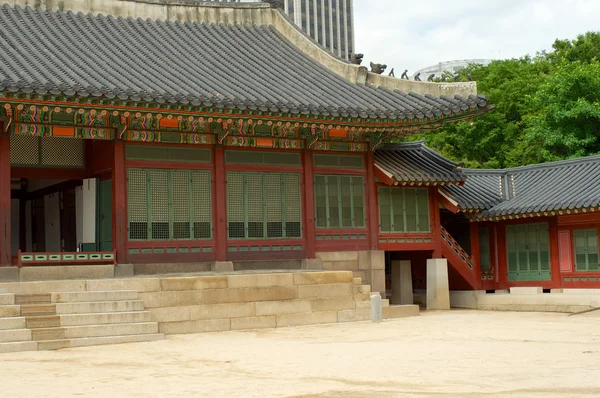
x=119 y=176
x=448 y=203
x=220 y=208
x=384 y=177
x=5 y=219
x=309 y=206
x=372 y=211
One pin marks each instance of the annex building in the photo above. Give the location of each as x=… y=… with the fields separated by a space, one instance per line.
x=180 y=136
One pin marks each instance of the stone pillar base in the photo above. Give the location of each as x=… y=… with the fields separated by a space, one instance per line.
x=221 y=266
x=438 y=290
x=313 y=264
x=402 y=287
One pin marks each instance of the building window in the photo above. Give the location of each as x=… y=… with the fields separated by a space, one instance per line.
x=169 y=204
x=263 y=205
x=403 y=210
x=339 y=201
x=484 y=249
x=528 y=252
x=586 y=249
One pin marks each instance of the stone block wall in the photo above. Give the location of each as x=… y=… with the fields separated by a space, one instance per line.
x=253 y=301
x=367 y=265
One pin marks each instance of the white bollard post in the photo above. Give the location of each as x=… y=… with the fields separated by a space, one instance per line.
x=376 y=308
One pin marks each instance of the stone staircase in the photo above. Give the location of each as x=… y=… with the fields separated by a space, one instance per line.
x=50 y=321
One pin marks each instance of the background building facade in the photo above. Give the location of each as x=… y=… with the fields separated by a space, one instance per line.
x=329 y=22
x=449 y=66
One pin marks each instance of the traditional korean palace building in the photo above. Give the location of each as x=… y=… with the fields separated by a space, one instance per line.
x=219 y=136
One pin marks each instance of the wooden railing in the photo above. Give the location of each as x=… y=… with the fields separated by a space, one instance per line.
x=459 y=258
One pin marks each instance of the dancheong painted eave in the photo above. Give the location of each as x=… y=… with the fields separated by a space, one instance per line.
x=76 y=56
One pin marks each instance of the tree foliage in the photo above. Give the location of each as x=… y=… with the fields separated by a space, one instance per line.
x=547 y=108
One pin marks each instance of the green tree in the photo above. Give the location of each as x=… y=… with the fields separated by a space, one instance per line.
x=564 y=119
x=547 y=108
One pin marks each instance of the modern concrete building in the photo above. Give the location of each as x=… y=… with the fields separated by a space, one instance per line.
x=328 y=22
x=449 y=66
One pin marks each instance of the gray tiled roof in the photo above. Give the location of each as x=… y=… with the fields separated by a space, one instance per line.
x=569 y=184
x=410 y=162
x=482 y=189
x=241 y=67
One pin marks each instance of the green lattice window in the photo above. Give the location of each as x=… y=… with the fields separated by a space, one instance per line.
x=46 y=151
x=169 y=204
x=339 y=201
x=264 y=158
x=484 y=249
x=528 y=252
x=339 y=161
x=586 y=249
x=169 y=154
x=263 y=205
x=403 y=210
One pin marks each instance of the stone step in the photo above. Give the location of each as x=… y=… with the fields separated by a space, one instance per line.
x=18 y=346
x=33 y=298
x=400 y=311
x=7 y=336
x=81 y=297
x=42 y=334
x=43 y=321
x=9 y=310
x=132 y=338
x=7 y=299
x=99 y=307
x=117 y=329
x=53 y=344
x=38 y=309
x=105 y=318
x=13 y=322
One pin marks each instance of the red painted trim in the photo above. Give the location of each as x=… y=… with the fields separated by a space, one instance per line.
x=336 y=171
x=341 y=245
x=404 y=247
x=309 y=206
x=372 y=204
x=167 y=258
x=475 y=252
x=267 y=256
x=587 y=218
x=220 y=204
x=565 y=251
x=48 y=173
x=5 y=218
x=384 y=178
x=120 y=226
x=152 y=164
x=436 y=223
x=447 y=204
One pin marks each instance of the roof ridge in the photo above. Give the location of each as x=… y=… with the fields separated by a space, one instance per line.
x=537 y=166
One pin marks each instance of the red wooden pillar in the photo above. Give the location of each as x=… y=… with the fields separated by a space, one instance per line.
x=220 y=208
x=5 y=219
x=309 y=205
x=502 y=264
x=371 y=194
x=436 y=222
x=120 y=203
x=475 y=254
x=554 y=252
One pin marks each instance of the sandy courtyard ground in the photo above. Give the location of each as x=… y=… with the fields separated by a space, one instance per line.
x=451 y=354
